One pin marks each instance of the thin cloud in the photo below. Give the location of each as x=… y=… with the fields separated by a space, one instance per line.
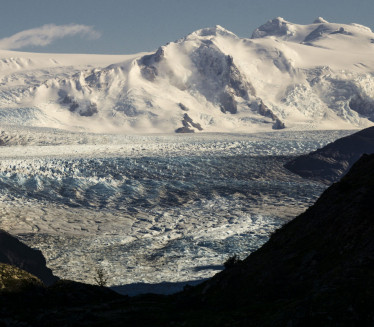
x=46 y=34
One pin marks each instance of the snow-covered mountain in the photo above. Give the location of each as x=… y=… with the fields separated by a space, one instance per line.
x=317 y=76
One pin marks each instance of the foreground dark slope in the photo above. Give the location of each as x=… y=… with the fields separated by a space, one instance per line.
x=331 y=162
x=317 y=270
x=15 y=253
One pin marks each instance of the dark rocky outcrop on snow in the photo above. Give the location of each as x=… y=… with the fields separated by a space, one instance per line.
x=183 y=107
x=278 y=124
x=15 y=253
x=331 y=162
x=188 y=125
x=363 y=106
x=317 y=33
x=148 y=64
x=86 y=110
x=264 y=110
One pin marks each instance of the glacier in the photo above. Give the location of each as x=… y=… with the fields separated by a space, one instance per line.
x=150 y=208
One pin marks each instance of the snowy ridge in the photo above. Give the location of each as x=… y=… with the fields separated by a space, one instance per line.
x=317 y=76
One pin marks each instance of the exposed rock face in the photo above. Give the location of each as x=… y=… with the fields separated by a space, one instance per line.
x=331 y=162
x=321 y=30
x=148 y=64
x=188 y=125
x=228 y=103
x=263 y=110
x=278 y=124
x=220 y=80
x=15 y=253
x=317 y=33
x=341 y=30
x=86 y=110
x=364 y=106
x=183 y=107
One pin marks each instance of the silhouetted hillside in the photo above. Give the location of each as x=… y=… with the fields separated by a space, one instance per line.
x=15 y=253
x=317 y=270
x=331 y=162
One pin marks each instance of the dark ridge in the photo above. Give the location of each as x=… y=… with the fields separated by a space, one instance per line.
x=188 y=125
x=331 y=162
x=316 y=34
x=228 y=103
x=264 y=110
x=341 y=30
x=15 y=253
x=184 y=129
x=148 y=64
x=363 y=106
x=183 y=107
x=278 y=124
x=87 y=111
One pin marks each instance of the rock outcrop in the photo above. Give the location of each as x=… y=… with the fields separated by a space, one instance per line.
x=14 y=252
x=331 y=162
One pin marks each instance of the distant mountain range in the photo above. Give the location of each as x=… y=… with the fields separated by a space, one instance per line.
x=316 y=76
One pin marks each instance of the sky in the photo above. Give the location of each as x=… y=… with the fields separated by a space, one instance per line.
x=131 y=26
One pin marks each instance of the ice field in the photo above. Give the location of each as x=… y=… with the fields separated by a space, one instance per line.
x=150 y=208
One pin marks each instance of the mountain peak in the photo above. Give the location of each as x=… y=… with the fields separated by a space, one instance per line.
x=216 y=30
x=274 y=27
x=320 y=20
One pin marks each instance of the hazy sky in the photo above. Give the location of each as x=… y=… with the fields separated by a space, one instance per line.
x=129 y=26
